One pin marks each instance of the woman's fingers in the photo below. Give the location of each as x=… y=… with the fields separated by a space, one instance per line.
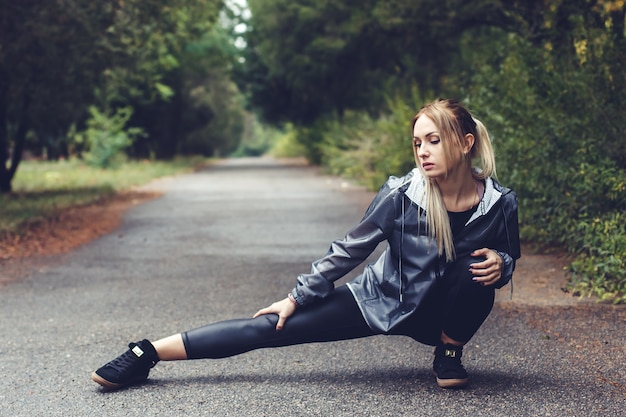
x=281 y=322
x=283 y=308
x=487 y=272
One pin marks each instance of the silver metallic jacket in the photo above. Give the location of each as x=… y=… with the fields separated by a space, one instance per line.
x=391 y=288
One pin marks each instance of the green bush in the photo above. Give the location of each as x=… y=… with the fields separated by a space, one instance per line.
x=600 y=269
x=106 y=137
x=286 y=145
x=556 y=125
x=369 y=149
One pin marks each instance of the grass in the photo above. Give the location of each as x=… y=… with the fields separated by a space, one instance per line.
x=43 y=188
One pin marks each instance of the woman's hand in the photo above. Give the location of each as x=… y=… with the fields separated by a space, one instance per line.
x=489 y=271
x=284 y=309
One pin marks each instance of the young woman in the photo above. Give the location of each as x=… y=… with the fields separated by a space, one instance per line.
x=452 y=235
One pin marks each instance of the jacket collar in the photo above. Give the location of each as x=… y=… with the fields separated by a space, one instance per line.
x=416 y=192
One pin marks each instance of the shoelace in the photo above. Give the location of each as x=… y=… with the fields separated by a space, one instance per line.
x=126 y=361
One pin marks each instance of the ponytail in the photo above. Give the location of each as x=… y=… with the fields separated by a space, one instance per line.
x=483 y=153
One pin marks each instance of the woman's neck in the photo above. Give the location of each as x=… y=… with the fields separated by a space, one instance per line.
x=459 y=190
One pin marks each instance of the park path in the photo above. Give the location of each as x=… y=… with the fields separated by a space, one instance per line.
x=225 y=241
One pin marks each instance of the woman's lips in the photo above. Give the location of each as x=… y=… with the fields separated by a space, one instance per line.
x=428 y=165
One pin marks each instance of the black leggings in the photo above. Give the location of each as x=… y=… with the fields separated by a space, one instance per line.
x=457 y=306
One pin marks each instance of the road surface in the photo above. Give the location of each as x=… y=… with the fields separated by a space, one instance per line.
x=230 y=239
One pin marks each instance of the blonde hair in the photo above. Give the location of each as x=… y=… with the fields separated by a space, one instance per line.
x=454 y=123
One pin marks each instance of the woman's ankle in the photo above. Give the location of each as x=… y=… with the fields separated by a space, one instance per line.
x=171 y=348
x=447 y=340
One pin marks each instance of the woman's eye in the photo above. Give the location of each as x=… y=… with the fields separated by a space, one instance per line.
x=417 y=144
x=435 y=141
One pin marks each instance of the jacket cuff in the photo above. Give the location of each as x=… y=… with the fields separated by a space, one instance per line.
x=297 y=297
x=508 y=266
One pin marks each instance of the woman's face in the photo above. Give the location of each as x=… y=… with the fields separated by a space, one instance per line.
x=429 y=150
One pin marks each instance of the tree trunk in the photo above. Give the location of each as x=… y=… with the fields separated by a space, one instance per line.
x=5 y=178
x=7 y=173
x=20 y=138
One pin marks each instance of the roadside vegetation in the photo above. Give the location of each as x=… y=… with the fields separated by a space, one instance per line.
x=42 y=189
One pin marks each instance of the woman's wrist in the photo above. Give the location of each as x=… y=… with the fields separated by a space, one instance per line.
x=292 y=299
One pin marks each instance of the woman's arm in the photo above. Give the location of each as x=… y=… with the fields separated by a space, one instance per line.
x=347 y=253
x=499 y=264
x=342 y=257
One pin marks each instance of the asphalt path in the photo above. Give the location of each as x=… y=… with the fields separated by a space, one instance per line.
x=226 y=241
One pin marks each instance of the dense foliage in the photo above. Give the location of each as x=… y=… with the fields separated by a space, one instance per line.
x=546 y=76
x=167 y=61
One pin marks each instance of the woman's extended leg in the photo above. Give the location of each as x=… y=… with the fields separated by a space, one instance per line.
x=335 y=318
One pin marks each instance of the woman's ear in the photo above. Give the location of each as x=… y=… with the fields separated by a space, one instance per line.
x=468 y=144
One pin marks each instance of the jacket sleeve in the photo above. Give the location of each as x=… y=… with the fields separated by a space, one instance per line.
x=347 y=253
x=511 y=231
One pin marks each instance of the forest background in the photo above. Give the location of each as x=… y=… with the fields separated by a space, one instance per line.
x=100 y=83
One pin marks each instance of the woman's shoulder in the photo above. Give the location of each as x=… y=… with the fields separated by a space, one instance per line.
x=392 y=189
x=397 y=183
x=506 y=194
x=505 y=191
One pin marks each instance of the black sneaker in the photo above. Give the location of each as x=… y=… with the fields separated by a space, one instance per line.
x=448 y=368
x=131 y=367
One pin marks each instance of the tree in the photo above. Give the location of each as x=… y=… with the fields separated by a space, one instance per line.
x=49 y=63
x=308 y=58
x=205 y=112
x=60 y=56
x=153 y=44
